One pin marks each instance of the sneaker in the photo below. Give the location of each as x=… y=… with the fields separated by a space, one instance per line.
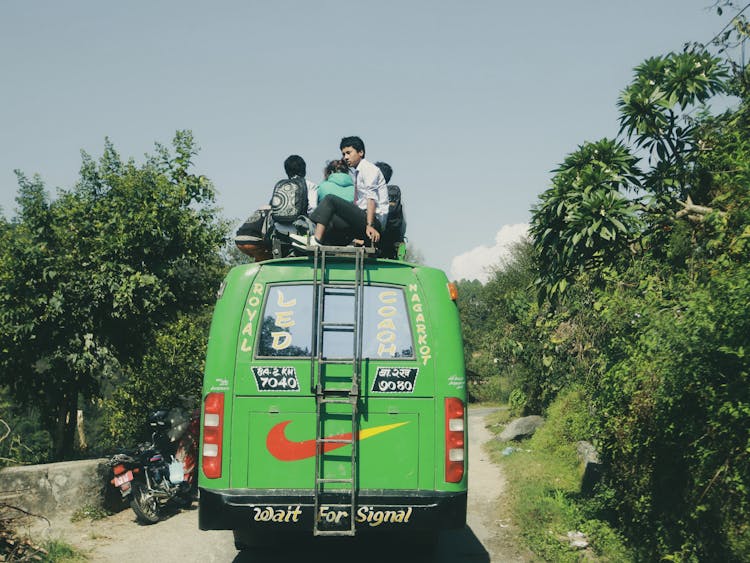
x=299 y=239
x=304 y=240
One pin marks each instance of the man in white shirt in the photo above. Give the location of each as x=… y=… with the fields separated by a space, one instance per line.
x=367 y=216
x=295 y=165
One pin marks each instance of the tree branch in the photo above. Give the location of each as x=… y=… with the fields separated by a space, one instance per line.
x=6 y=506
x=7 y=429
x=694 y=213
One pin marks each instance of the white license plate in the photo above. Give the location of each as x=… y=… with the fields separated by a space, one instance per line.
x=122 y=479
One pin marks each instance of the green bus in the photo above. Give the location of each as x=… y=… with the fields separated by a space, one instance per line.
x=334 y=400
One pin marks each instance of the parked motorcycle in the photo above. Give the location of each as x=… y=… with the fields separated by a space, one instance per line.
x=162 y=470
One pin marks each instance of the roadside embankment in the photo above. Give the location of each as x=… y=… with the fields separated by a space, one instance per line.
x=48 y=489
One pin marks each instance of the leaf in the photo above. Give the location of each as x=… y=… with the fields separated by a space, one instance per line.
x=617 y=223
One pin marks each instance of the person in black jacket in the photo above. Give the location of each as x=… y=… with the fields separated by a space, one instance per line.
x=395 y=228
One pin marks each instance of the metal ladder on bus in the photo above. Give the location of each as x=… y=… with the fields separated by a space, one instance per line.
x=343 y=391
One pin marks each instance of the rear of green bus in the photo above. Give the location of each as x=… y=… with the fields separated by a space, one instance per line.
x=258 y=432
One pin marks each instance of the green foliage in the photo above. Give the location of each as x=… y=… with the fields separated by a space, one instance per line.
x=22 y=440
x=493 y=389
x=499 y=320
x=87 y=279
x=639 y=341
x=522 y=353
x=544 y=487
x=89 y=512
x=59 y=551
x=517 y=402
x=648 y=106
x=674 y=413
x=169 y=375
x=584 y=222
x=651 y=327
x=568 y=421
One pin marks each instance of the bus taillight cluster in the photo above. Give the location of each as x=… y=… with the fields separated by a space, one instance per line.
x=213 y=427
x=454 y=440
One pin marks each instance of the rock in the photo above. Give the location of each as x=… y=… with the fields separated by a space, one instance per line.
x=521 y=428
x=592 y=468
x=578 y=540
x=587 y=452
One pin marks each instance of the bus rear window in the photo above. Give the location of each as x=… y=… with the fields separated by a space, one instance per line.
x=286 y=328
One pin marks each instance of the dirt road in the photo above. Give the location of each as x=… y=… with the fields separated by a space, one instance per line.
x=487 y=537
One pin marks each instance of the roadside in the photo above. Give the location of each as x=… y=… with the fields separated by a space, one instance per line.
x=490 y=535
x=489 y=512
x=560 y=522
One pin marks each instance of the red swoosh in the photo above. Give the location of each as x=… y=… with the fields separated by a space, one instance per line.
x=284 y=449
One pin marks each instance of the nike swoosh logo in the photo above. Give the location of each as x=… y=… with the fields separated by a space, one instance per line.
x=284 y=449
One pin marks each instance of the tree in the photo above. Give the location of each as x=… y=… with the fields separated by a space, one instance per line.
x=170 y=374
x=86 y=279
x=661 y=309
x=584 y=222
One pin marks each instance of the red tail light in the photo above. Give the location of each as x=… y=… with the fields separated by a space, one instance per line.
x=118 y=469
x=213 y=427
x=454 y=440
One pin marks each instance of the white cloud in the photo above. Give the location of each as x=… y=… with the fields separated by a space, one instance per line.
x=477 y=263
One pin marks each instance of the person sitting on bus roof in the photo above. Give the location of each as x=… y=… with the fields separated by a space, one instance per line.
x=395 y=228
x=367 y=214
x=295 y=166
x=337 y=181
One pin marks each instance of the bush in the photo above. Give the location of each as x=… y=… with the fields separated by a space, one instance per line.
x=544 y=487
x=673 y=415
x=61 y=552
x=170 y=375
x=25 y=441
x=488 y=390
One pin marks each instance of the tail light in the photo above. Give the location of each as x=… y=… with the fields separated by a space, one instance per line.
x=454 y=440
x=118 y=469
x=453 y=291
x=213 y=427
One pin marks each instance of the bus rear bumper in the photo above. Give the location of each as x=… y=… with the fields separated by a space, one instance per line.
x=233 y=509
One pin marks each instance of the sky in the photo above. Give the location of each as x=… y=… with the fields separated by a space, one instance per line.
x=473 y=103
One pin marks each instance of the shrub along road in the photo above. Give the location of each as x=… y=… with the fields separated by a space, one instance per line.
x=488 y=537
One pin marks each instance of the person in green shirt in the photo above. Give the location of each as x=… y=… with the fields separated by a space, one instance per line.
x=337 y=181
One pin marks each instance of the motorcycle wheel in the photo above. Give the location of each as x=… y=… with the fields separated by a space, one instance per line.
x=144 y=504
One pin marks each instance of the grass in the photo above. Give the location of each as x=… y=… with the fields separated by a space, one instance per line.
x=61 y=552
x=544 y=478
x=89 y=512
x=497 y=420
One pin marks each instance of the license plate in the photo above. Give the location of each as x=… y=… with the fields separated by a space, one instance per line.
x=122 y=479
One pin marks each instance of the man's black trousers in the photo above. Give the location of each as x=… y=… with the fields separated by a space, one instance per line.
x=342 y=219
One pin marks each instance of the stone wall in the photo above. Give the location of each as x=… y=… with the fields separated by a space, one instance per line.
x=48 y=489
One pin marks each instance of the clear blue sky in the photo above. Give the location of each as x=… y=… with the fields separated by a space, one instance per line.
x=472 y=102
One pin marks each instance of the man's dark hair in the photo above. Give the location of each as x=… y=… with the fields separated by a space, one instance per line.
x=295 y=166
x=386 y=169
x=354 y=142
